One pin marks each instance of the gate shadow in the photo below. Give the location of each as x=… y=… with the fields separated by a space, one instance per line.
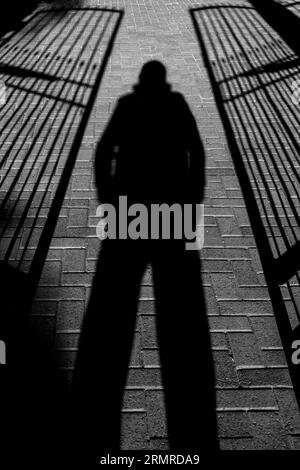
x=251 y=68
x=50 y=75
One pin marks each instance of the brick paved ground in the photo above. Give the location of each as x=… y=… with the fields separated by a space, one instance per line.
x=256 y=403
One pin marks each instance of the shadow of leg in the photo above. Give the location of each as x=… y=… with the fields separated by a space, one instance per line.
x=105 y=346
x=187 y=364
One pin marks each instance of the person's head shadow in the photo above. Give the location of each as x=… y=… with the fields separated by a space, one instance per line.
x=153 y=78
x=150 y=153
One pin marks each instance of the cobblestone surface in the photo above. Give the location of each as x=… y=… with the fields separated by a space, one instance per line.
x=256 y=405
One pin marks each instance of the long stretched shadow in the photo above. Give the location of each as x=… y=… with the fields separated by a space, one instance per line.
x=151 y=153
x=52 y=71
x=251 y=68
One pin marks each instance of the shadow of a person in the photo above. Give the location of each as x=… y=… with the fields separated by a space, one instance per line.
x=150 y=152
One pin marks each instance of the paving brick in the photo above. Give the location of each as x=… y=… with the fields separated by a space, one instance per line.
x=266 y=331
x=78 y=217
x=146 y=306
x=93 y=247
x=60 y=293
x=151 y=357
x=273 y=357
x=230 y=182
x=246 y=398
x=229 y=322
x=225 y=286
x=70 y=314
x=147 y=326
x=289 y=411
x=276 y=376
x=245 y=349
x=233 y=424
x=219 y=340
x=147 y=292
x=238 y=240
x=75 y=278
x=133 y=430
x=212 y=265
x=60 y=229
x=134 y=400
x=66 y=340
x=81 y=182
x=156 y=414
x=245 y=273
x=139 y=377
x=211 y=301
x=242 y=216
x=212 y=237
x=51 y=274
x=268 y=431
x=74 y=260
x=254 y=307
x=224 y=369
x=228 y=226
x=256 y=293
x=224 y=253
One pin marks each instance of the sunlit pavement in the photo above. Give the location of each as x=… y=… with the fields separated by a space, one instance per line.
x=256 y=404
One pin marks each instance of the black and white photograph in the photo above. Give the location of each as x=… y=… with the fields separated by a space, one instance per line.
x=149 y=231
